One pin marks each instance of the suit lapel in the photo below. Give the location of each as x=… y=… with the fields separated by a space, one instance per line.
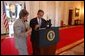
x=36 y=20
x=41 y=21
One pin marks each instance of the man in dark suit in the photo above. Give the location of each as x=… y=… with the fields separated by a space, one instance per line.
x=35 y=24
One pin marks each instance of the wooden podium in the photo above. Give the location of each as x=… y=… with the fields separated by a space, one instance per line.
x=48 y=38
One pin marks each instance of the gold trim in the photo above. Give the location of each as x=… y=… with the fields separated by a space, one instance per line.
x=48 y=38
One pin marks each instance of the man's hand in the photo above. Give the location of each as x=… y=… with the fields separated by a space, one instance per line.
x=37 y=26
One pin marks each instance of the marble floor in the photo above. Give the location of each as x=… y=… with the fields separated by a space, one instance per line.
x=77 y=50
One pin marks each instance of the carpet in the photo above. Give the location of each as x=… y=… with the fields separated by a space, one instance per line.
x=66 y=36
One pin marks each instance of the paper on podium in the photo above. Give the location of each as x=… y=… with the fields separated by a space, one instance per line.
x=41 y=28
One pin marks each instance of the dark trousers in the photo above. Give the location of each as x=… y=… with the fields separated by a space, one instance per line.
x=36 y=49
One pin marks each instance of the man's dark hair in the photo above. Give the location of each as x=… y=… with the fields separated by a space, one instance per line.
x=23 y=13
x=40 y=11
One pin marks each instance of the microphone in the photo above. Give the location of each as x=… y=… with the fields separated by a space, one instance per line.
x=48 y=23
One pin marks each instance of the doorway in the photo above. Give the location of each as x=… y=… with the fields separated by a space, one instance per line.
x=70 y=17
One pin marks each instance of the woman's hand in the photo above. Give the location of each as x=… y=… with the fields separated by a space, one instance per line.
x=29 y=31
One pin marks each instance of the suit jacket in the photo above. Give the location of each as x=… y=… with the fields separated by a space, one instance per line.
x=35 y=34
x=34 y=22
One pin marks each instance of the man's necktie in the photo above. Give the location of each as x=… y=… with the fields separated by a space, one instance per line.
x=40 y=22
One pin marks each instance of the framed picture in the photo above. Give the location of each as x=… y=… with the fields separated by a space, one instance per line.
x=76 y=12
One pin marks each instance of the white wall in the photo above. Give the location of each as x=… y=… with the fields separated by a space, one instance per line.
x=34 y=7
x=54 y=10
x=51 y=6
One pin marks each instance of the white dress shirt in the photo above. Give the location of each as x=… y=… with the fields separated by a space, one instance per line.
x=39 y=21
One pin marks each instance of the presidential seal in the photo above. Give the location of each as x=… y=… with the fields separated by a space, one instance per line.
x=50 y=35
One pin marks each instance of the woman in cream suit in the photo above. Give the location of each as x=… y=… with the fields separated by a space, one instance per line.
x=21 y=32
